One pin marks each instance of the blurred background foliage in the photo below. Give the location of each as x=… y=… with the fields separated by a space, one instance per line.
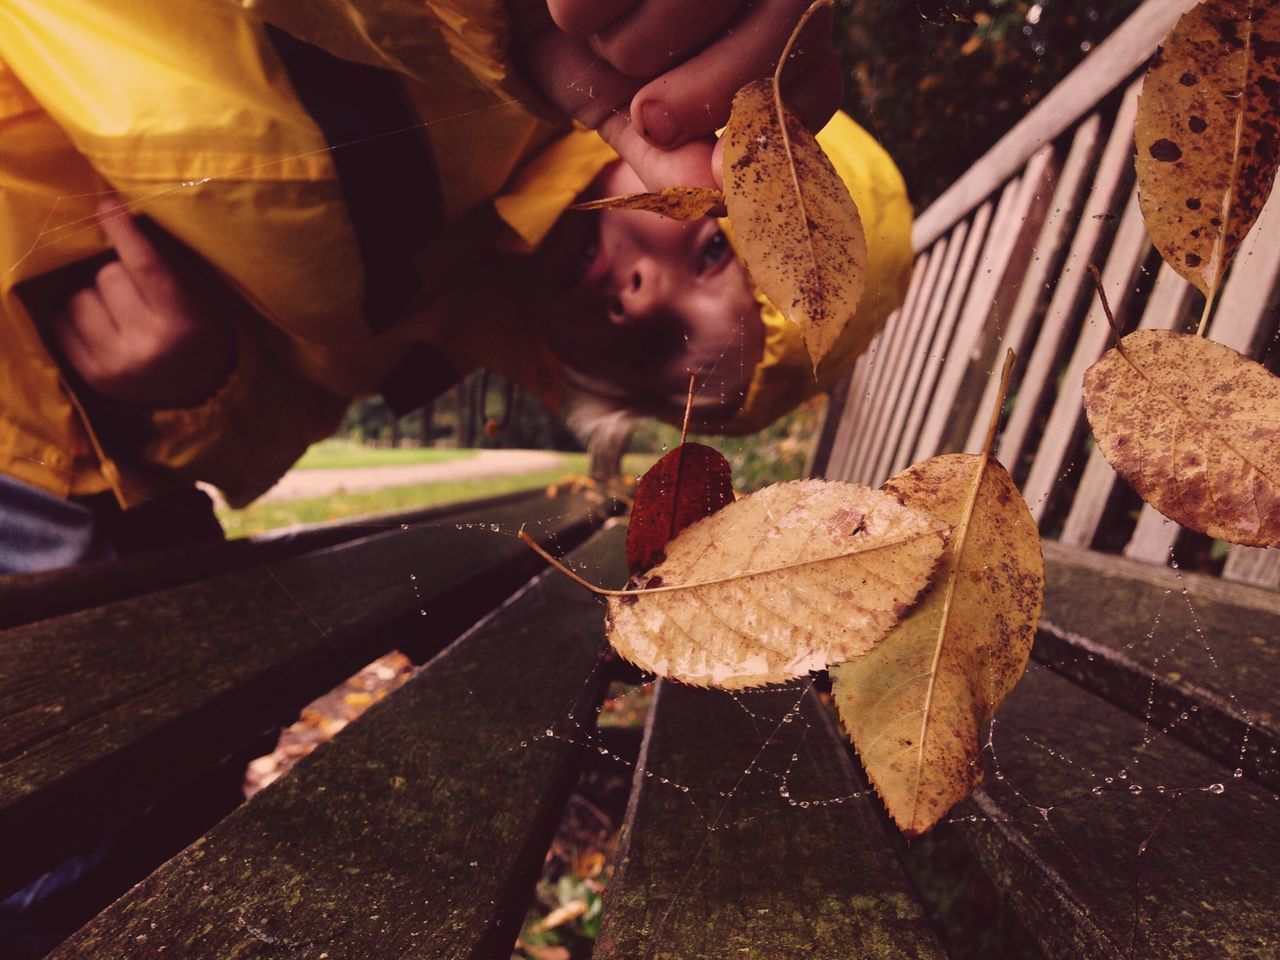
x=940 y=81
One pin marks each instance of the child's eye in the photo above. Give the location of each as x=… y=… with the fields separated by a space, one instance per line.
x=713 y=251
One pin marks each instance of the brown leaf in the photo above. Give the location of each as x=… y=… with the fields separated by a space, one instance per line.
x=691 y=482
x=795 y=224
x=678 y=203
x=917 y=704
x=1194 y=428
x=1207 y=134
x=787 y=580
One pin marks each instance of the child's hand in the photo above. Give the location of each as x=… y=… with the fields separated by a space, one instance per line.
x=657 y=77
x=140 y=334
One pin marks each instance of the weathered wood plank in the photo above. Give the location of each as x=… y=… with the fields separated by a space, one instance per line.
x=1110 y=65
x=956 y=398
x=763 y=844
x=825 y=445
x=987 y=352
x=1066 y=419
x=25 y=598
x=955 y=242
x=104 y=710
x=892 y=344
x=846 y=420
x=1185 y=652
x=1070 y=188
x=420 y=829
x=988 y=273
x=1073 y=286
x=1114 y=841
x=942 y=334
x=1253 y=565
x=1167 y=308
x=911 y=338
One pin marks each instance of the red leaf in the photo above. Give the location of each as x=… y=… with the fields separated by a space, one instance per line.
x=691 y=482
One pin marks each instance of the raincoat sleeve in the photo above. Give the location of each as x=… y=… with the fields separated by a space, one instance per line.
x=472 y=34
x=245 y=436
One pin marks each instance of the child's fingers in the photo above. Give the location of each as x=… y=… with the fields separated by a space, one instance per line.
x=582 y=18
x=138 y=255
x=656 y=35
x=122 y=298
x=82 y=331
x=577 y=81
x=693 y=99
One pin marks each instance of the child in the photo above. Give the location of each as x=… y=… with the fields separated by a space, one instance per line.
x=323 y=203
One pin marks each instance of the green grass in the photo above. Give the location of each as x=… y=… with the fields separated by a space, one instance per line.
x=270 y=515
x=328 y=454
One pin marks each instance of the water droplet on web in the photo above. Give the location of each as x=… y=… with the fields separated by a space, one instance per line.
x=1238 y=774
x=1135 y=788
x=404 y=526
x=1216 y=788
x=1108 y=780
x=413 y=576
x=1123 y=774
x=804 y=804
x=422 y=613
x=549 y=732
x=494 y=527
x=786 y=718
x=1184 y=715
x=1097 y=791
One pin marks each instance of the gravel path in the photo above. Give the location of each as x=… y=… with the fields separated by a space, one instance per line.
x=299 y=484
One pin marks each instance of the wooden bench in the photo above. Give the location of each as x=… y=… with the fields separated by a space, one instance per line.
x=1112 y=822
x=1130 y=807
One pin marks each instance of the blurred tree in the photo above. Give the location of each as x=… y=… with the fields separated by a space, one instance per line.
x=940 y=81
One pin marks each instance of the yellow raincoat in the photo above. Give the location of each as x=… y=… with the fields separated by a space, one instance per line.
x=323 y=189
x=340 y=184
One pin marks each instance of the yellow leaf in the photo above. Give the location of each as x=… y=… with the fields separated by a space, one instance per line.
x=1207 y=136
x=678 y=203
x=917 y=705
x=795 y=225
x=1194 y=428
x=787 y=580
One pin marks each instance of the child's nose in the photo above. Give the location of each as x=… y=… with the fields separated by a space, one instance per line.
x=640 y=291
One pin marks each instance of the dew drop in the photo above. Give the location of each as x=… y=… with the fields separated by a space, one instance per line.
x=1238 y=774
x=1123 y=774
x=1135 y=788
x=1097 y=791
x=1216 y=788
x=1108 y=780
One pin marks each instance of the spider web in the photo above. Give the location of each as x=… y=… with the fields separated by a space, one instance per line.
x=1113 y=801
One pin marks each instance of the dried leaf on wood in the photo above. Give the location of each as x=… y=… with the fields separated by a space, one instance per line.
x=795 y=224
x=678 y=203
x=691 y=482
x=1194 y=427
x=1208 y=134
x=916 y=705
x=787 y=580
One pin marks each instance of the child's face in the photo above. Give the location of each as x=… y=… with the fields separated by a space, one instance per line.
x=644 y=301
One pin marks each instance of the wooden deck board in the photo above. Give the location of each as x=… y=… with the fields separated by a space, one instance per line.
x=417 y=831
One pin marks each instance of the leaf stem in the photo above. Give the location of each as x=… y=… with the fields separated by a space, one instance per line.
x=688 y=409
x=533 y=545
x=1208 y=308
x=791 y=42
x=998 y=407
x=1106 y=305
x=747 y=574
